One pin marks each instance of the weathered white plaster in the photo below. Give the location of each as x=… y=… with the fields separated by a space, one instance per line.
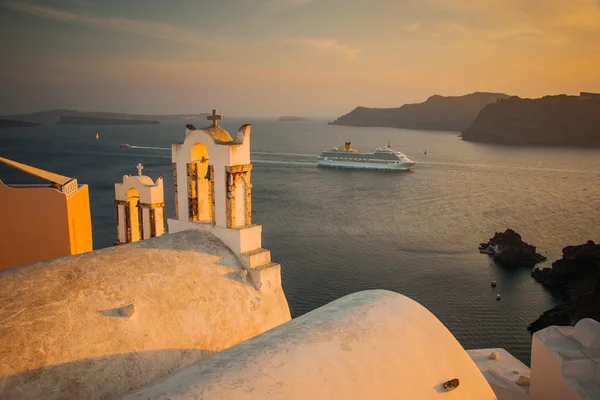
x=100 y=324
x=149 y=191
x=587 y=333
x=562 y=367
x=368 y=345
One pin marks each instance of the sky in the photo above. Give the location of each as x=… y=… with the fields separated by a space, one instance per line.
x=289 y=57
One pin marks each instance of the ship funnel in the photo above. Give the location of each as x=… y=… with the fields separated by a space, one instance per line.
x=348 y=145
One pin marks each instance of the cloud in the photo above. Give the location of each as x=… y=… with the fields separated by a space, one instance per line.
x=575 y=15
x=326 y=45
x=150 y=29
x=525 y=34
x=412 y=27
x=282 y=4
x=291 y=3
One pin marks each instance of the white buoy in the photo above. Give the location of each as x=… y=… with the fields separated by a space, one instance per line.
x=498 y=296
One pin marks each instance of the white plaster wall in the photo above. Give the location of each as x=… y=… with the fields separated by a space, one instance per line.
x=368 y=345
x=67 y=339
x=239 y=240
x=240 y=153
x=561 y=367
x=546 y=375
x=148 y=191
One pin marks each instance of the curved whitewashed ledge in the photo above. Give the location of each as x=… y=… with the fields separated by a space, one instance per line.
x=368 y=345
x=100 y=324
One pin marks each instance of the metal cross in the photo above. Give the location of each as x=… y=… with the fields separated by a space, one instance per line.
x=214 y=117
x=140 y=167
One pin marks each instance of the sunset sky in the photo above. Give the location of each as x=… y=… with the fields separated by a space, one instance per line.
x=292 y=57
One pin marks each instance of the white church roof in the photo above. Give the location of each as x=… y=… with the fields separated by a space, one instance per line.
x=368 y=345
x=100 y=324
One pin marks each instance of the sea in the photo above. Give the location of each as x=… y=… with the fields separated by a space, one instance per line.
x=339 y=231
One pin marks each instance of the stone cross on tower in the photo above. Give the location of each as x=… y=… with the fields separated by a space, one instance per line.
x=140 y=167
x=214 y=118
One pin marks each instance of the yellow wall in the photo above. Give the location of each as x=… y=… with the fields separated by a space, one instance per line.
x=34 y=224
x=80 y=220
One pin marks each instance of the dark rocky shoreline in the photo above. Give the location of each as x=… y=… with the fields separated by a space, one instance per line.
x=575 y=280
x=10 y=123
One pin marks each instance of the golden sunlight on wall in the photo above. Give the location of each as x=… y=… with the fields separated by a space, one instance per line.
x=80 y=220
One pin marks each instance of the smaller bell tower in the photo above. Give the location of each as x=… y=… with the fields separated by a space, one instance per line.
x=140 y=207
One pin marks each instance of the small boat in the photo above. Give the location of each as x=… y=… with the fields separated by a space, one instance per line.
x=97 y=136
x=493 y=283
x=498 y=296
x=125 y=145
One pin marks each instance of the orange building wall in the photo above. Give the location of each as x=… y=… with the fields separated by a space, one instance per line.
x=34 y=224
x=80 y=221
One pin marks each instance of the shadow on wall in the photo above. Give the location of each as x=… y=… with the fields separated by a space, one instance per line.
x=105 y=377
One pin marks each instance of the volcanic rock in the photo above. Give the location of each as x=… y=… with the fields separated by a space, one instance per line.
x=575 y=279
x=509 y=249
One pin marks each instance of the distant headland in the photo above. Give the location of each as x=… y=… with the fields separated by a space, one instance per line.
x=54 y=116
x=550 y=120
x=103 y=121
x=451 y=113
x=292 y=118
x=10 y=123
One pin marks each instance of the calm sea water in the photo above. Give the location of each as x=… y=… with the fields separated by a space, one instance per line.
x=340 y=231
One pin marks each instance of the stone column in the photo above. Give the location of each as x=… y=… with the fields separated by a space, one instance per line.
x=192 y=191
x=146 y=223
x=121 y=222
x=211 y=192
x=154 y=225
x=174 y=165
x=159 y=221
x=238 y=191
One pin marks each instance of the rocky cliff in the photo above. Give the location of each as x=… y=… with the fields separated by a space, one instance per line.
x=53 y=116
x=452 y=113
x=9 y=123
x=550 y=120
x=575 y=279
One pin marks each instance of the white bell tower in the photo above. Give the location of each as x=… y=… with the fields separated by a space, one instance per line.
x=211 y=174
x=140 y=207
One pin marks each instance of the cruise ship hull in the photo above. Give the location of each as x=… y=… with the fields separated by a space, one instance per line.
x=402 y=166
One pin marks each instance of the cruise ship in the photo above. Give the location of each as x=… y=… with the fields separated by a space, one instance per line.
x=385 y=158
